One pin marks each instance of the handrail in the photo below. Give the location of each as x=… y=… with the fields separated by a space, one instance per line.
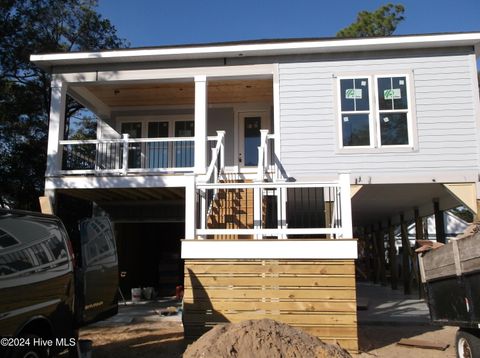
x=262 y=154
x=337 y=192
x=130 y=140
x=219 y=149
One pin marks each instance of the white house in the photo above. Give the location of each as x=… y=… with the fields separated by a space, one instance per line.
x=262 y=156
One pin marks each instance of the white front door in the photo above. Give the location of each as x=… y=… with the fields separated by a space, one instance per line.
x=250 y=124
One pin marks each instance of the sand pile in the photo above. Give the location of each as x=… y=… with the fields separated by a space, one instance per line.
x=261 y=339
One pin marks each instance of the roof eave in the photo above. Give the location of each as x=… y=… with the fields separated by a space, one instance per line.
x=48 y=61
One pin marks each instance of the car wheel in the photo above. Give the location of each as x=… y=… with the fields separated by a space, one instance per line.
x=30 y=351
x=467 y=344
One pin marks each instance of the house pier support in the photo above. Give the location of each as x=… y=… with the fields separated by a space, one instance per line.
x=392 y=254
x=405 y=256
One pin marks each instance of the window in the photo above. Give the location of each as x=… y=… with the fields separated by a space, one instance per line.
x=355 y=108
x=374 y=112
x=393 y=110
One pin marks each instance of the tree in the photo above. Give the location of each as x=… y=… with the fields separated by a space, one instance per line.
x=381 y=22
x=27 y=27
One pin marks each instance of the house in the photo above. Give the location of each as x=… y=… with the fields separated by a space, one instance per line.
x=247 y=165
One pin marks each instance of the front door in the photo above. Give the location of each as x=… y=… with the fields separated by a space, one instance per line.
x=249 y=137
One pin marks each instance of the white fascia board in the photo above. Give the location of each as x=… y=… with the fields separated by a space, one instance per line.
x=117 y=182
x=269 y=249
x=257 y=49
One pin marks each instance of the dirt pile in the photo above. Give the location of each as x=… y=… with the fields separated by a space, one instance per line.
x=261 y=339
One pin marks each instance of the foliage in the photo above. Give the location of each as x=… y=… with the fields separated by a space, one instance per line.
x=28 y=27
x=381 y=22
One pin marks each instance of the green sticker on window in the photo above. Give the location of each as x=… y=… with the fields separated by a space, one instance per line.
x=353 y=93
x=393 y=93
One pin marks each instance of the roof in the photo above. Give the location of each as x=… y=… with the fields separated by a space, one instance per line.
x=269 y=47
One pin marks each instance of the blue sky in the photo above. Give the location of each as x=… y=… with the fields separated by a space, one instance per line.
x=170 y=22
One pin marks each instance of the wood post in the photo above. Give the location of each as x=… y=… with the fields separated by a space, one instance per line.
x=376 y=263
x=381 y=255
x=418 y=236
x=439 y=222
x=405 y=256
x=392 y=254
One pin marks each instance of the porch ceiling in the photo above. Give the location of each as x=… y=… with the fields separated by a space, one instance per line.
x=126 y=194
x=376 y=203
x=181 y=93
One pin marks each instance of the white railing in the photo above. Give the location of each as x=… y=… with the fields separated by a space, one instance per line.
x=127 y=155
x=217 y=162
x=286 y=208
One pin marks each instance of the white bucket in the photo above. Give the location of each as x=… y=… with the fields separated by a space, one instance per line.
x=136 y=294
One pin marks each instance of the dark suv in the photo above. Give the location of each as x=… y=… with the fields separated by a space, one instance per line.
x=46 y=291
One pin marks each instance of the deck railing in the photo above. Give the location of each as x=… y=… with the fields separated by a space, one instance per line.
x=280 y=209
x=127 y=155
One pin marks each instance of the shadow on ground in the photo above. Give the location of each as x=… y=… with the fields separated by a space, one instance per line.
x=373 y=337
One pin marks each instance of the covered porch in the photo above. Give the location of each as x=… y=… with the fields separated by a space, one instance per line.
x=158 y=122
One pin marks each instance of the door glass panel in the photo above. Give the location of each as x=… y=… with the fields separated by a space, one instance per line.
x=184 y=153
x=134 y=130
x=251 y=140
x=157 y=151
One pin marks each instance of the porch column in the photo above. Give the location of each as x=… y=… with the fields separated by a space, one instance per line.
x=346 y=205
x=190 y=210
x=201 y=106
x=56 y=126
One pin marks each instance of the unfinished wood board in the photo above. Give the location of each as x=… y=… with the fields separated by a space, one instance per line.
x=316 y=295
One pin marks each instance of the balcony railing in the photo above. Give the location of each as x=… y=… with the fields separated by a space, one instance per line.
x=275 y=209
x=127 y=155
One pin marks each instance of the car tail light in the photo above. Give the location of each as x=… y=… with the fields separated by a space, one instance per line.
x=72 y=254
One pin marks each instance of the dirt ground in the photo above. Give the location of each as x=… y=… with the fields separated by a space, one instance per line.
x=165 y=339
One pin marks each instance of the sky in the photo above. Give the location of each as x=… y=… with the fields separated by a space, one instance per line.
x=174 y=22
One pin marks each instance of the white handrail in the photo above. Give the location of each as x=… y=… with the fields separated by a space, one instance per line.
x=219 y=149
x=130 y=140
x=262 y=153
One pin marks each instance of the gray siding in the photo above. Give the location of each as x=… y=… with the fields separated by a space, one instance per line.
x=223 y=119
x=445 y=117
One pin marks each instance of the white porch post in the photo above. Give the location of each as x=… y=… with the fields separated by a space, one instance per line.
x=200 y=124
x=346 y=205
x=190 y=212
x=56 y=126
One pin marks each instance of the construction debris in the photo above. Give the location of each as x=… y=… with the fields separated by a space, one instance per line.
x=261 y=339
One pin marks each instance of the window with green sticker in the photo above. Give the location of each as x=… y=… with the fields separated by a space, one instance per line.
x=355 y=111
x=392 y=110
x=374 y=112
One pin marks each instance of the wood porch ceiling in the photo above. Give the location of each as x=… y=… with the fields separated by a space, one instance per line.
x=126 y=194
x=183 y=93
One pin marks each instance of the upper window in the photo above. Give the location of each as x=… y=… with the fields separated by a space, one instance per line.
x=393 y=110
x=374 y=112
x=355 y=112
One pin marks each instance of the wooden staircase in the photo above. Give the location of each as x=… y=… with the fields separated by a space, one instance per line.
x=231 y=209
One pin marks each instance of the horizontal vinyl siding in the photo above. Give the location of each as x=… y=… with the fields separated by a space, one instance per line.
x=446 y=128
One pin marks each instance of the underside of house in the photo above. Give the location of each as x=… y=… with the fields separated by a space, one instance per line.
x=210 y=165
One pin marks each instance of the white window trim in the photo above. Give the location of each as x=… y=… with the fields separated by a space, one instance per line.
x=374 y=125
x=408 y=111
x=144 y=120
